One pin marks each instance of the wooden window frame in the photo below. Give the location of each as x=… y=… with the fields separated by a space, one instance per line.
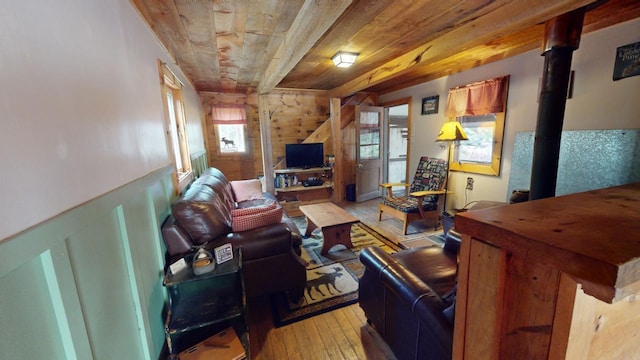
x=171 y=84
x=492 y=168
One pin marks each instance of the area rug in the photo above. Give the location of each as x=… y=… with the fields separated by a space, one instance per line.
x=332 y=279
x=437 y=238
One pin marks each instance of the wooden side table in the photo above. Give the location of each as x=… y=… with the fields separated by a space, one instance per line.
x=202 y=305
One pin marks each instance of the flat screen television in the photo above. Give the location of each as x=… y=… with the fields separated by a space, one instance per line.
x=304 y=156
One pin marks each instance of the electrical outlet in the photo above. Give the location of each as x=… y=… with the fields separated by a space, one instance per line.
x=469 y=183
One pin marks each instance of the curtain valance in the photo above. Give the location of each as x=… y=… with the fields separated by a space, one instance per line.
x=229 y=115
x=479 y=98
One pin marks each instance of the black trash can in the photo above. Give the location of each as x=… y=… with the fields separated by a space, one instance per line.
x=448 y=218
x=351 y=192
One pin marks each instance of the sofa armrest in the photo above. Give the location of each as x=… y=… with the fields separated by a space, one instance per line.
x=264 y=241
x=424 y=303
x=175 y=238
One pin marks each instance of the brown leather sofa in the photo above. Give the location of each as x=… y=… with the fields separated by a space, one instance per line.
x=202 y=217
x=409 y=297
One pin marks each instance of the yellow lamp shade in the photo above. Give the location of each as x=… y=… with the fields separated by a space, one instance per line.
x=451 y=131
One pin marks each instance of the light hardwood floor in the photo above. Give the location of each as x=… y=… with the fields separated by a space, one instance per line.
x=338 y=334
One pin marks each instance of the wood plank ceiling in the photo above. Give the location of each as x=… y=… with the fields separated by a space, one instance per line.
x=243 y=46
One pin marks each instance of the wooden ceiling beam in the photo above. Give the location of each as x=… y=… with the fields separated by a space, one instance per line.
x=507 y=18
x=313 y=20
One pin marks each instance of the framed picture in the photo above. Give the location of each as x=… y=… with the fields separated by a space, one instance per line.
x=627 y=61
x=430 y=105
x=223 y=253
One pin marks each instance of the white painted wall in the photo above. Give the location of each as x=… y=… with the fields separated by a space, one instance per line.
x=80 y=106
x=598 y=103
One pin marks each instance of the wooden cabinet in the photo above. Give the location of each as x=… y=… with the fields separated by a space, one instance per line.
x=555 y=278
x=202 y=305
x=291 y=192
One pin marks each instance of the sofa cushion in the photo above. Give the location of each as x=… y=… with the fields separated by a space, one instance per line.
x=244 y=190
x=202 y=213
x=431 y=264
x=263 y=217
x=216 y=180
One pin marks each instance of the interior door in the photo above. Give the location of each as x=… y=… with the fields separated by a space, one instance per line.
x=368 y=152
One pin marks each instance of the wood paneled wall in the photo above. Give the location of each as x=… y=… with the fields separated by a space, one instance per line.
x=294 y=115
x=234 y=166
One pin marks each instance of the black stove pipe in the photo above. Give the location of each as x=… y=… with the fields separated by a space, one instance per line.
x=562 y=38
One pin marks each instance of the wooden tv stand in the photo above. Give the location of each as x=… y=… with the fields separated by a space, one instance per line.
x=555 y=278
x=293 y=196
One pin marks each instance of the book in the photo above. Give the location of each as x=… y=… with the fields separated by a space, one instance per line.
x=224 y=345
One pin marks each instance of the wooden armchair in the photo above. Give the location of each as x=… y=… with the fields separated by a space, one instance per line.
x=423 y=201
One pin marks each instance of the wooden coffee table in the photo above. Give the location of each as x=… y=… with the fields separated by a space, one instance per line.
x=334 y=222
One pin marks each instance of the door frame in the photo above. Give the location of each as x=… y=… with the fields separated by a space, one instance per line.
x=385 y=161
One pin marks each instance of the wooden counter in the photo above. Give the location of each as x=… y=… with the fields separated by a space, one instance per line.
x=552 y=278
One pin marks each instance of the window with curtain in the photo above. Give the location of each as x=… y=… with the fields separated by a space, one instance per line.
x=230 y=123
x=480 y=108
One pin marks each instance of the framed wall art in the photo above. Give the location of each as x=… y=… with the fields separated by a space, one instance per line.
x=430 y=105
x=627 y=61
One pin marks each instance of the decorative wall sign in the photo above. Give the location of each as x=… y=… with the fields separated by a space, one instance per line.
x=430 y=105
x=223 y=253
x=627 y=61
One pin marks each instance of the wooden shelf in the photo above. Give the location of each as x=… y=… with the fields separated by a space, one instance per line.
x=326 y=185
x=296 y=195
x=302 y=171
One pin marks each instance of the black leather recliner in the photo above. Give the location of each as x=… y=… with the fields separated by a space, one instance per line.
x=409 y=297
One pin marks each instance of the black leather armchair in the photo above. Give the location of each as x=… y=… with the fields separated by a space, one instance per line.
x=409 y=297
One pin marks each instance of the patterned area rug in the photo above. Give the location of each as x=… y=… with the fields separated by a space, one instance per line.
x=437 y=238
x=332 y=279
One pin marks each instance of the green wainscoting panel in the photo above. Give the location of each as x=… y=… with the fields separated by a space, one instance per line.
x=29 y=326
x=87 y=284
x=198 y=163
x=101 y=274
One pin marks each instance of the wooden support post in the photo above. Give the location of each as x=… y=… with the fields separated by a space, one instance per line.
x=336 y=141
x=265 y=138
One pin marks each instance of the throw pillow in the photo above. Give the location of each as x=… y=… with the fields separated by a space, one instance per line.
x=270 y=205
x=247 y=190
x=253 y=221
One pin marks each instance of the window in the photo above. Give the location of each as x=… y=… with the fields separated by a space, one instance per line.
x=369 y=135
x=230 y=123
x=480 y=108
x=479 y=130
x=176 y=127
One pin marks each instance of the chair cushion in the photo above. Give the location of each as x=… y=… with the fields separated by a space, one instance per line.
x=408 y=204
x=430 y=175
